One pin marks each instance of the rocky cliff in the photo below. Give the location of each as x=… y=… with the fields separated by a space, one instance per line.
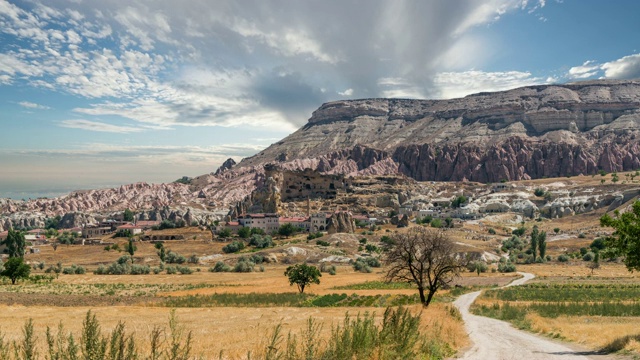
x=530 y=132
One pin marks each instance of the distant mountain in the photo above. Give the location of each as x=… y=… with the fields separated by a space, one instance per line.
x=529 y=132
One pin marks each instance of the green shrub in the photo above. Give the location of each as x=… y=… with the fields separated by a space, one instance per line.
x=364 y=264
x=387 y=240
x=261 y=242
x=582 y=236
x=74 y=270
x=519 y=231
x=322 y=243
x=220 y=267
x=598 y=244
x=436 y=223
x=538 y=192
x=492 y=231
x=184 y=270
x=244 y=265
x=233 y=247
x=507 y=267
x=589 y=256
x=478 y=267
x=137 y=269
x=563 y=258
x=171 y=270
x=174 y=258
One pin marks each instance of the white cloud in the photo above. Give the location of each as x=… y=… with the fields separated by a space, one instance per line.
x=98 y=126
x=459 y=84
x=347 y=92
x=258 y=64
x=627 y=67
x=586 y=70
x=30 y=105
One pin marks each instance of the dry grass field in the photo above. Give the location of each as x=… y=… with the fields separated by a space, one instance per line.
x=235 y=331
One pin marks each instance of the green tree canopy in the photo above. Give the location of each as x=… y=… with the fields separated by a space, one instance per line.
x=128 y=215
x=15 y=243
x=457 y=202
x=244 y=232
x=15 y=269
x=303 y=275
x=286 y=230
x=625 y=240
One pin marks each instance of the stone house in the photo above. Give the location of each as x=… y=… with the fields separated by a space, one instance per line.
x=267 y=222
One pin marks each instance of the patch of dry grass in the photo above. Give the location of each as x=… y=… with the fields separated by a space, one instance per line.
x=233 y=330
x=577 y=269
x=595 y=332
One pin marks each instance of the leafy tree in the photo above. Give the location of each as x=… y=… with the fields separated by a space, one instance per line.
x=224 y=233
x=448 y=222
x=542 y=244
x=597 y=244
x=625 y=240
x=131 y=248
x=286 y=230
x=436 y=223
x=457 y=202
x=161 y=252
x=519 y=231
x=595 y=264
x=52 y=223
x=478 y=267
x=426 y=258
x=15 y=269
x=303 y=275
x=534 y=240
x=425 y=220
x=15 y=243
x=67 y=238
x=244 y=232
x=128 y=215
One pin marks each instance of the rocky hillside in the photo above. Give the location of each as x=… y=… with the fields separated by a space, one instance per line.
x=530 y=132
x=526 y=133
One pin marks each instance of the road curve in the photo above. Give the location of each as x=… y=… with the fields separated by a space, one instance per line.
x=498 y=340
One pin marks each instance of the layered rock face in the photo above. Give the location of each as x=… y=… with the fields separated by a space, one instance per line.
x=531 y=132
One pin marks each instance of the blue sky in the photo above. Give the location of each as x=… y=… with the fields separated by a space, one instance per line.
x=96 y=94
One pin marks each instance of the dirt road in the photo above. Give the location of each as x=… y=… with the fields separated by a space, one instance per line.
x=498 y=340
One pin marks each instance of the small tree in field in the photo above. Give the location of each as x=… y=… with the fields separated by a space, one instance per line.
x=131 y=248
x=303 y=275
x=595 y=264
x=426 y=258
x=15 y=269
x=15 y=243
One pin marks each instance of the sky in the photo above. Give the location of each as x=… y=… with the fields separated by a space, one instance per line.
x=101 y=93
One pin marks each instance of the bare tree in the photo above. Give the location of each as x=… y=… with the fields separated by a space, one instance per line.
x=426 y=258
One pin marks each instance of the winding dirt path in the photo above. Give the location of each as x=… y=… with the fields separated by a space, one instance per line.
x=498 y=340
